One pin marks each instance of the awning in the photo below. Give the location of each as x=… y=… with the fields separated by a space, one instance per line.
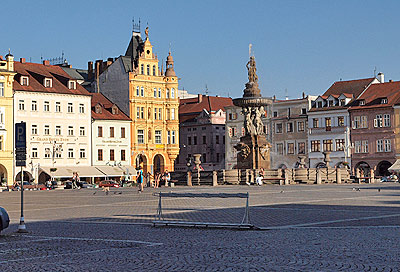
x=395 y=166
x=110 y=171
x=67 y=171
x=128 y=169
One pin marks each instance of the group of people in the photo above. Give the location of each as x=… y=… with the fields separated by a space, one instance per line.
x=152 y=180
x=259 y=178
x=76 y=181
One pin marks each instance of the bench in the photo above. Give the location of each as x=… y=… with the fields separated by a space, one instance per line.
x=281 y=180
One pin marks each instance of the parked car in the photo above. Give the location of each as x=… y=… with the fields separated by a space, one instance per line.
x=108 y=183
x=4 y=219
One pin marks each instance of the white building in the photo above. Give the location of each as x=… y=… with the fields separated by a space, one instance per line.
x=57 y=114
x=111 y=138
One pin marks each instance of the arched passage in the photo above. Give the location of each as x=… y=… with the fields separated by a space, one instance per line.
x=364 y=168
x=43 y=177
x=27 y=176
x=141 y=160
x=382 y=168
x=3 y=174
x=159 y=164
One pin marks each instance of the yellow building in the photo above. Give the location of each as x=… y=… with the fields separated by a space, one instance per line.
x=6 y=119
x=153 y=108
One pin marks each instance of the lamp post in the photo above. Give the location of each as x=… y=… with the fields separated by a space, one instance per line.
x=56 y=149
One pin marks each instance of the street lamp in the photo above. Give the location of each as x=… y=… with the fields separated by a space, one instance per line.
x=56 y=150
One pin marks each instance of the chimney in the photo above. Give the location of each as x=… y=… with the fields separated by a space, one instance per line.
x=199 y=98
x=22 y=60
x=46 y=62
x=390 y=80
x=90 y=70
x=99 y=66
x=381 y=78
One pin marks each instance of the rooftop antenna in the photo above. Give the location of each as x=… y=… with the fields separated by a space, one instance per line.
x=286 y=95
x=135 y=27
x=375 y=72
x=41 y=58
x=206 y=90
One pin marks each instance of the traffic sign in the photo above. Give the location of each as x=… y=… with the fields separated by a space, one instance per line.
x=20 y=135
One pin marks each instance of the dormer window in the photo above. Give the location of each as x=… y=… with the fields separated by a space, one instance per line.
x=362 y=102
x=98 y=108
x=319 y=104
x=72 y=85
x=114 y=109
x=48 y=83
x=342 y=102
x=384 y=101
x=330 y=103
x=24 y=81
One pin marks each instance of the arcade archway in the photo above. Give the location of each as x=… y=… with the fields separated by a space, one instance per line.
x=141 y=160
x=3 y=174
x=364 y=168
x=382 y=168
x=27 y=176
x=159 y=164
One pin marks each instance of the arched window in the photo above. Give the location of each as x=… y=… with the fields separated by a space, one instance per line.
x=155 y=92
x=142 y=69
x=172 y=93
x=167 y=93
x=148 y=69
x=154 y=70
x=141 y=91
x=137 y=91
x=159 y=92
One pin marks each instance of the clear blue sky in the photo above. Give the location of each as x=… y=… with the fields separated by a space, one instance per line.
x=299 y=45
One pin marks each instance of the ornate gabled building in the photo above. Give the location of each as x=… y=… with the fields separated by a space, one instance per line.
x=6 y=119
x=149 y=96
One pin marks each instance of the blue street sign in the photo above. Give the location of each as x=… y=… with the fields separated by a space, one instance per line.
x=20 y=135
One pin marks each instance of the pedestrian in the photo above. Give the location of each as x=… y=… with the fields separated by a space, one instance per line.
x=167 y=177
x=259 y=180
x=73 y=184
x=149 y=183
x=157 y=180
x=78 y=181
x=140 y=179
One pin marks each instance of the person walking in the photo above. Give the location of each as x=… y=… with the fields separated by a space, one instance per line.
x=74 y=180
x=140 y=179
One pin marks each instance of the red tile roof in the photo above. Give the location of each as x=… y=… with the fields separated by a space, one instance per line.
x=191 y=107
x=374 y=94
x=37 y=72
x=354 y=87
x=106 y=109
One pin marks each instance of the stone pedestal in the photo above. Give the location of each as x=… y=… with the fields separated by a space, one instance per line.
x=255 y=152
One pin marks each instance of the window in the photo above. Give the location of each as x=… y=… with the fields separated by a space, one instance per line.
x=364 y=146
x=167 y=93
x=47 y=153
x=34 y=130
x=142 y=69
x=217 y=157
x=342 y=102
x=1 y=143
x=168 y=137
x=172 y=114
x=47 y=82
x=328 y=122
x=300 y=126
x=112 y=155
x=154 y=70
x=378 y=122
x=58 y=154
x=279 y=149
x=364 y=121
x=155 y=92
x=70 y=131
x=137 y=91
x=159 y=92
x=189 y=140
x=159 y=114
x=123 y=156
x=111 y=132
x=157 y=134
x=275 y=114
x=319 y=104
x=46 y=130
x=58 y=130
x=330 y=103
x=137 y=112
x=384 y=101
x=172 y=93
x=122 y=132
x=173 y=137
x=1 y=88
x=303 y=111
x=362 y=102
x=70 y=108
x=289 y=127
x=148 y=69
x=356 y=122
x=217 y=139
x=99 y=131
x=100 y=154
x=34 y=153
x=357 y=146
x=141 y=91
x=290 y=148
x=279 y=128
x=34 y=105
x=204 y=139
x=21 y=105
x=388 y=145
x=301 y=148
x=340 y=121
x=81 y=108
x=379 y=146
x=58 y=106
x=155 y=114
x=72 y=85
x=142 y=112
x=339 y=144
x=82 y=153
x=204 y=158
x=24 y=81
x=315 y=122
x=386 y=120
x=194 y=139
x=70 y=153
x=327 y=145
x=46 y=106
x=82 y=131
x=140 y=136
x=315 y=146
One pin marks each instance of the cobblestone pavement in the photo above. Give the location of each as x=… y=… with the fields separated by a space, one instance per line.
x=303 y=228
